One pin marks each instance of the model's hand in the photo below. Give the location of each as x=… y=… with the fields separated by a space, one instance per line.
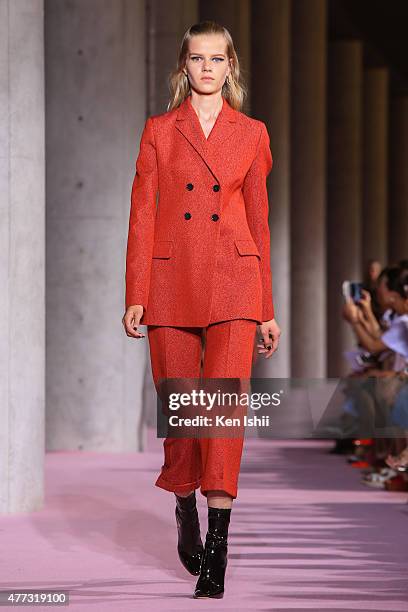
x=269 y=332
x=131 y=320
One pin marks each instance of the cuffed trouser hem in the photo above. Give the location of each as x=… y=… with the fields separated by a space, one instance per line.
x=221 y=485
x=176 y=488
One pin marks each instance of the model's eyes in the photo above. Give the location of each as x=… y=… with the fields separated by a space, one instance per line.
x=195 y=58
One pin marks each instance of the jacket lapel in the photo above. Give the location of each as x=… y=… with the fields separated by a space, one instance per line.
x=211 y=149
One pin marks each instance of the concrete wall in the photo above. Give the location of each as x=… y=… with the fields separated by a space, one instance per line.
x=22 y=255
x=96 y=107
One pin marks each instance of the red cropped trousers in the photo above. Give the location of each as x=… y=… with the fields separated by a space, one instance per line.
x=177 y=352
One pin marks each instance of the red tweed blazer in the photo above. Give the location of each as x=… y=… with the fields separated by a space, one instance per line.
x=198 y=247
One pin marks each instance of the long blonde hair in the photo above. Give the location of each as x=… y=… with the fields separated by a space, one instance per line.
x=234 y=89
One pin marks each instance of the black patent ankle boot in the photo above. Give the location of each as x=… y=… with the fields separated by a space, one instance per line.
x=214 y=563
x=190 y=546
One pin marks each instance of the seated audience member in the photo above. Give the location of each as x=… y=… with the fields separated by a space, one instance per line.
x=370 y=284
x=361 y=360
x=391 y=347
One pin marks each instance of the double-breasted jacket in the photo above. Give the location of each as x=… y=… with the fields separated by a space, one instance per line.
x=198 y=247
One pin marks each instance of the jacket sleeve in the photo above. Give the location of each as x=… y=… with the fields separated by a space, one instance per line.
x=257 y=210
x=141 y=220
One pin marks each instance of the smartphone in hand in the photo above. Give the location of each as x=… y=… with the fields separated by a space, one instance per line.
x=352 y=290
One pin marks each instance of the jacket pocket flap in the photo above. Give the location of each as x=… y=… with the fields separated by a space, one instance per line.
x=247 y=247
x=162 y=249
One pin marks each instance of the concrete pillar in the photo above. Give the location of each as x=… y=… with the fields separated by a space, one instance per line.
x=398 y=211
x=235 y=16
x=22 y=255
x=375 y=168
x=344 y=210
x=166 y=25
x=270 y=86
x=308 y=189
x=96 y=109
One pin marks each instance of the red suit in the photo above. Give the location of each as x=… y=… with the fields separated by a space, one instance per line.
x=198 y=260
x=200 y=251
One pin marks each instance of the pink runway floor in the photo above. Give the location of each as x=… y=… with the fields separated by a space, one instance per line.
x=305 y=535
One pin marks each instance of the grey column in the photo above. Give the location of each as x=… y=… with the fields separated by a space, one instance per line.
x=235 y=16
x=22 y=254
x=166 y=24
x=308 y=189
x=398 y=211
x=344 y=210
x=375 y=169
x=270 y=85
x=96 y=108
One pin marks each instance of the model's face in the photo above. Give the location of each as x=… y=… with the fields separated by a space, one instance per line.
x=207 y=64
